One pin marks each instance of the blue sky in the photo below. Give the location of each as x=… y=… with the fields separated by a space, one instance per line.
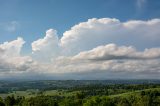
x=34 y=17
x=79 y=39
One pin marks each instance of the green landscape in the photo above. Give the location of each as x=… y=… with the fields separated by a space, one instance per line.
x=80 y=93
x=79 y=52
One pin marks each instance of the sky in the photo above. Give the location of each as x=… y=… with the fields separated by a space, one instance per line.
x=79 y=39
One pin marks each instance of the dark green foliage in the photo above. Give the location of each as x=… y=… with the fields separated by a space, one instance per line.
x=143 y=98
x=40 y=101
x=1 y=102
x=80 y=95
x=11 y=100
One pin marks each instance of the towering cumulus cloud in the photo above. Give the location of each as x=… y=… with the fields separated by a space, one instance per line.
x=95 y=32
x=96 y=49
x=46 y=47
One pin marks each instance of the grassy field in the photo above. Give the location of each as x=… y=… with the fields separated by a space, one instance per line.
x=18 y=93
x=33 y=93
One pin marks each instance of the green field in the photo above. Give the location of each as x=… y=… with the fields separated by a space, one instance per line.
x=33 y=93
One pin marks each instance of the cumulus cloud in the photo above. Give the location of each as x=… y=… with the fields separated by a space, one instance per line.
x=46 y=47
x=111 y=58
x=10 y=59
x=89 y=50
x=78 y=57
x=95 y=32
x=11 y=49
x=112 y=51
x=102 y=62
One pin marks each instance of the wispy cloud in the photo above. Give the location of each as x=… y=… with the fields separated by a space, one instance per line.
x=12 y=26
x=140 y=3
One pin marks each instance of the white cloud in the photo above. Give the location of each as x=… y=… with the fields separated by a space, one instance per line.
x=11 y=49
x=109 y=61
x=102 y=62
x=112 y=51
x=46 y=47
x=111 y=58
x=95 y=32
x=88 y=50
x=11 y=59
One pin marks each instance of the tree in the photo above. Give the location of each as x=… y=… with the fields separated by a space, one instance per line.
x=10 y=100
